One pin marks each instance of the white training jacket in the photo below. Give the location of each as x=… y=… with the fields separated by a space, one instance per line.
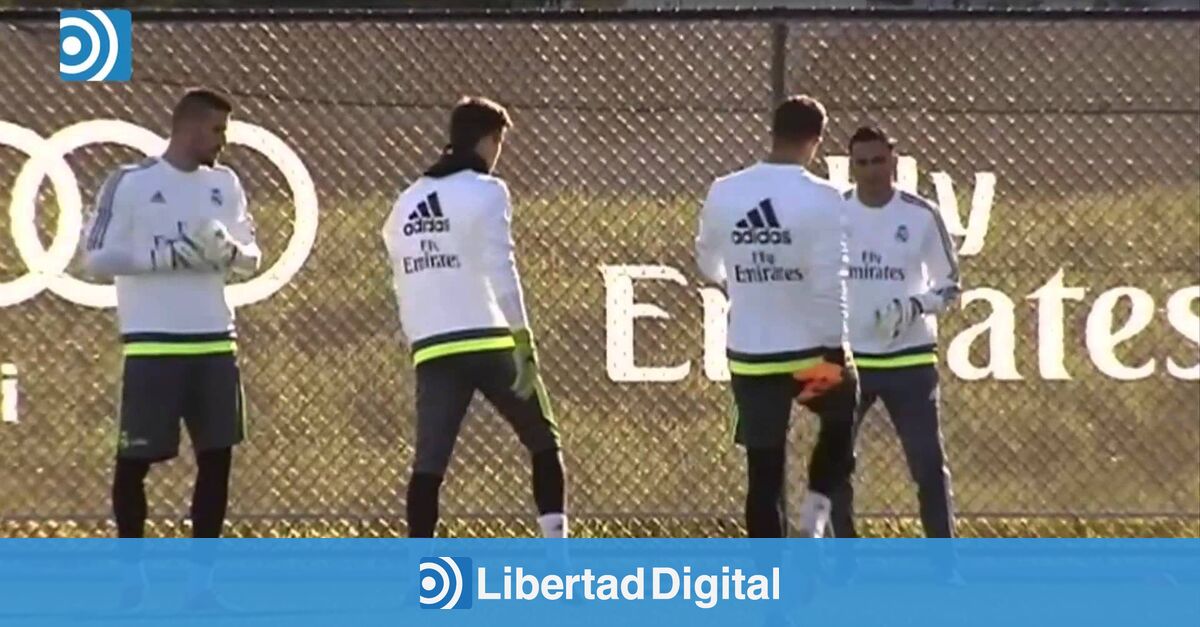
x=901 y=250
x=454 y=271
x=772 y=235
x=141 y=208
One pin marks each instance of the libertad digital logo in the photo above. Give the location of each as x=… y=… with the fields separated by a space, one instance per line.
x=95 y=45
x=704 y=589
x=445 y=583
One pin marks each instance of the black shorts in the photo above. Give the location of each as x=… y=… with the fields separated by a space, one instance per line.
x=204 y=391
x=763 y=407
x=445 y=387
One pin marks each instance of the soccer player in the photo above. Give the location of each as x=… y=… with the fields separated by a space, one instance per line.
x=772 y=235
x=903 y=274
x=169 y=230
x=462 y=310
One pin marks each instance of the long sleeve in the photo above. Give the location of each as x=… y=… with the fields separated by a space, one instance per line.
x=708 y=243
x=828 y=270
x=500 y=260
x=246 y=254
x=391 y=234
x=941 y=263
x=108 y=247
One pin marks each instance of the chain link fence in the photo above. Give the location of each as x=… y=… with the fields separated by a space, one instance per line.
x=1069 y=395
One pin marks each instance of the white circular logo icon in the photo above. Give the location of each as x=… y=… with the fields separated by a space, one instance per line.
x=84 y=24
x=441 y=582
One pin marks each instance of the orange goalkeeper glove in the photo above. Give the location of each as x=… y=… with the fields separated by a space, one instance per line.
x=817 y=379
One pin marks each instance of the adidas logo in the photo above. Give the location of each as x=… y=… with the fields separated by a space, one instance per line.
x=158 y=198
x=761 y=226
x=428 y=218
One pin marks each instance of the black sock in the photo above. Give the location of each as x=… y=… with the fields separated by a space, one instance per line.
x=549 y=482
x=422 y=505
x=841 y=518
x=764 y=517
x=129 y=497
x=211 y=494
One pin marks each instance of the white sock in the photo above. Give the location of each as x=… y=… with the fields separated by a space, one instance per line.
x=553 y=525
x=814 y=515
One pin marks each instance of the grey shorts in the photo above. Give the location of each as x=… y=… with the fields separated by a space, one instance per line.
x=445 y=387
x=157 y=392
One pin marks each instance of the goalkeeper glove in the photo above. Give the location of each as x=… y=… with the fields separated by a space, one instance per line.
x=835 y=371
x=895 y=317
x=525 y=359
x=213 y=240
x=180 y=253
x=817 y=380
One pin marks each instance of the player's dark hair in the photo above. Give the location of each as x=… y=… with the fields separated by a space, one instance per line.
x=871 y=133
x=472 y=119
x=798 y=119
x=198 y=101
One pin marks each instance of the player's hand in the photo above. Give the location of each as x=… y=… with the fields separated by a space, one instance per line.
x=525 y=359
x=894 y=318
x=213 y=240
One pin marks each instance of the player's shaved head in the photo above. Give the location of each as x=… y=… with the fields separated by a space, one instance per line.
x=197 y=103
x=798 y=120
x=198 y=125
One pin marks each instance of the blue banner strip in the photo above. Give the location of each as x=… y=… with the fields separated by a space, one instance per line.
x=658 y=582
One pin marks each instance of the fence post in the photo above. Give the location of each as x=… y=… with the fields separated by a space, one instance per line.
x=779 y=37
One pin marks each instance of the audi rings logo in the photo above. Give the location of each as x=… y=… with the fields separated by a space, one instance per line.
x=46 y=266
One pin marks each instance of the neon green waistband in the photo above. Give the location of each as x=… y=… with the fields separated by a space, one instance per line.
x=462 y=346
x=899 y=361
x=758 y=369
x=145 y=349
